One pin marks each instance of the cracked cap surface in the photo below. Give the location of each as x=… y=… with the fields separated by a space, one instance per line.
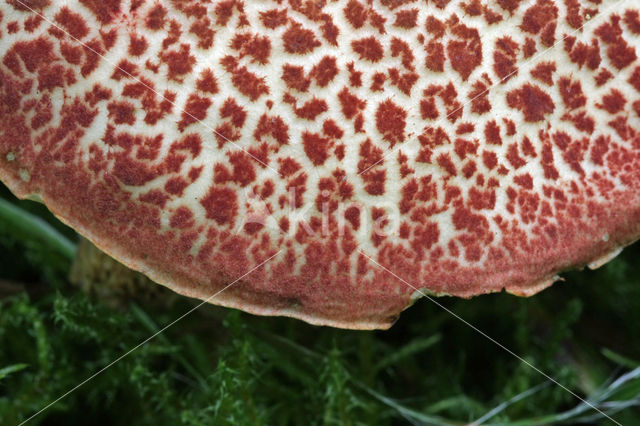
x=467 y=146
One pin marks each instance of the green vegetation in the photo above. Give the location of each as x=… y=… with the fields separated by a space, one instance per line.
x=220 y=366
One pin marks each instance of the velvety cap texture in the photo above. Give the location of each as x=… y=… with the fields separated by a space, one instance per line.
x=327 y=153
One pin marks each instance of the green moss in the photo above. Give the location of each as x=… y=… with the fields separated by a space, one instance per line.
x=220 y=366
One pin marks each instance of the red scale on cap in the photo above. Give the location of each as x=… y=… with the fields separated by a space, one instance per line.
x=231 y=131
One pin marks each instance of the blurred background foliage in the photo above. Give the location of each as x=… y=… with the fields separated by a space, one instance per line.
x=220 y=366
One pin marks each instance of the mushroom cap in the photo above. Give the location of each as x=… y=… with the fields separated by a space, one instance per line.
x=345 y=147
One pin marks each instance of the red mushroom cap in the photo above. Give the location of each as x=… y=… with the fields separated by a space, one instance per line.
x=467 y=146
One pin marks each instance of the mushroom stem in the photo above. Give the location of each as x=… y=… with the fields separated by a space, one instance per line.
x=103 y=277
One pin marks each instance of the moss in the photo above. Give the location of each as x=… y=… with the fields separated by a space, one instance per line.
x=220 y=366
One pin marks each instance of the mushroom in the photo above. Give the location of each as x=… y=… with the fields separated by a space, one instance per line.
x=321 y=153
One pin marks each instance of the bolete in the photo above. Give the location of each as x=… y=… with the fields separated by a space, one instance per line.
x=466 y=146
